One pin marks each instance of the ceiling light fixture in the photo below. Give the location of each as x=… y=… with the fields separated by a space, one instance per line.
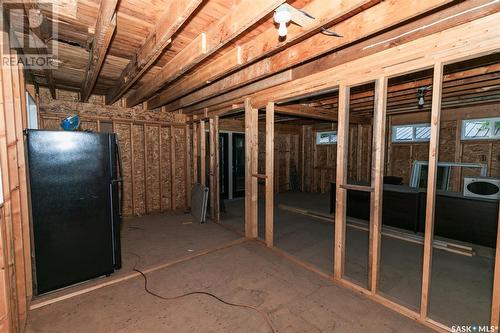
x=282 y=16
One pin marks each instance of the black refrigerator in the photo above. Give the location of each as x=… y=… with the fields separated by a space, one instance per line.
x=74 y=184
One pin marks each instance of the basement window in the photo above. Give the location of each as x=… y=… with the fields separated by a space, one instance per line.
x=326 y=138
x=481 y=129
x=411 y=133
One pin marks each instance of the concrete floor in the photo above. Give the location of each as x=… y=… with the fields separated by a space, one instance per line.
x=461 y=286
x=152 y=240
x=296 y=300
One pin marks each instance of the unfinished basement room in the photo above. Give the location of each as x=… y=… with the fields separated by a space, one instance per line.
x=250 y=166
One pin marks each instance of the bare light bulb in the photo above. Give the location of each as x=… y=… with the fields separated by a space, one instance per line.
x=282 y=30
x=421 y=101
x=282 y=16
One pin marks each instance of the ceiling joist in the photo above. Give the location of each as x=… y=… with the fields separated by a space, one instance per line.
x=38 y=27
x=458 y=14
x=326 y=13
x=240 y=18
x=177 y=12
x=104 y=30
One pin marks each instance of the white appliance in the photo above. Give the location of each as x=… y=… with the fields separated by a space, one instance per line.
x=482 y=187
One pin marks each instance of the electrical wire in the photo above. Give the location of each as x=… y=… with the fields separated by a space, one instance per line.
x=324 y=31
x=263 y=314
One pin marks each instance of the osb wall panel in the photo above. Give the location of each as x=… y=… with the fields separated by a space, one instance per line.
x=401 y=162
x=139 y=170
x=180 y=171
x=153 y=168
x=145 y=156
x=451 y=147
x=123 y=133
x=320 y=160
x=89 y=126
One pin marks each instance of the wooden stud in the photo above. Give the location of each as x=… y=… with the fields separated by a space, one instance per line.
x=269 y=174
x=21 y=122
x=377 y=181
x=12 y=107
x=495 y=306
x=187 y=166
x=341 y=179
x=203 y=151
x=251 y=208
x=431 y=187
x=172 y=169
x=195 y=153
x=146 y=189
x=214 y=169
x=160 y=167
x=132 y=167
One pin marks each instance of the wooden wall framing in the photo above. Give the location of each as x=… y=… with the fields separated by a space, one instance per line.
x=155 y=149
x=436 y=51
x=15 y=248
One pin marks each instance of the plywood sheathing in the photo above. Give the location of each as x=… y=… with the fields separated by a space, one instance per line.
x=146 y=145
x=451 y=147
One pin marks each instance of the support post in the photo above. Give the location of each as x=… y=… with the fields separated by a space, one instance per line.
x=437 y=84
x=195 y=153
x=214 y=168
x=203 y=151
x=269 y=174
x=251 y=123
x=377 y=180
x=341 y=179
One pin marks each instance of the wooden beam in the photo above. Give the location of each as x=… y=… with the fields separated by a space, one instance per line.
x=269 y=174
x=379 y=50
x=326 y=14
x=104 y=29
x=431 y=187
x=251 y=159
x=315 y=113
x=38 y=25
x=359 y=26
x=240 y=18
x=176 y=13
x=415 y=55
x=203 y=151
x=222 y=86
x=377 y=181
x=341 y=179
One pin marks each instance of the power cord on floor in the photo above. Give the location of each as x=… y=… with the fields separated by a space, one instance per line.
x=264 y=314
